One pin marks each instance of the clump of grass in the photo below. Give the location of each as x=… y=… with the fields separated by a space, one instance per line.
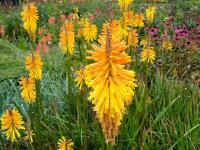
x=11 y=63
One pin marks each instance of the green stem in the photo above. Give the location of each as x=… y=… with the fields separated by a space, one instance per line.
x=85 y=120
x=69 y=82
x=38 y=112
x=109 y=146
x=2 y=142
x=79 y=48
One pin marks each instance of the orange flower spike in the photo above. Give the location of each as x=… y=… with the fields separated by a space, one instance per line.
x=112 y=85
x=67 y=39
x=138 y=20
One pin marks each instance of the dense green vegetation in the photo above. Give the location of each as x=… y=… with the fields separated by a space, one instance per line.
x=165 y=112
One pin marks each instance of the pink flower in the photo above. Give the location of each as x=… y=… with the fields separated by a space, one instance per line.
x=45 y=48
x=62 y=18
x=42 y=46
x=38 y=47
x=153 y=30
x=91 y=17
x=2 y=29
x=71 y=16
x=98 y=11
x=48 y=37
x=52 y=20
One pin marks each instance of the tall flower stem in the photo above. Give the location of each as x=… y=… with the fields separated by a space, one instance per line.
x=68 y=75
x=131 y=54
x=84 y=118
x=143 y=104
x=80 y=52
x=39 y=111
x=109 y=146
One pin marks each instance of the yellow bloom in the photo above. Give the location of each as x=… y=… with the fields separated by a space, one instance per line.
x=75 y=11
x=80 y=77
x=11 y=123
x=112 y=85
x=167 y=45
x=133 y=38
x=80 y=33
x=29 y=136
x=144 y=42
x=114 y=27
x=128 y=17
x=150 y=11
x=123 y=30
x=67 y=40
x=27 y=87
x=124 y=23
x=84 y=21
x=148 y=54
x=124 y=4
x=138 y=20
x=30 y=17
x=34 y=66
x=90 y=32
x=64 y=144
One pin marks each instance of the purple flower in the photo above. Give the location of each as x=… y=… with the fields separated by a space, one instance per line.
x=153 y=30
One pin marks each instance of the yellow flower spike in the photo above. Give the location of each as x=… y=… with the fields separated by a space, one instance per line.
x=29 y=18
x=80 y=77
x=124 y=4
x=112 y=85
x=84 y=21
x=128 y=17
x=138 y=20
x=11 y=123
x=76 y=10
x=167 y=45
x=90 y=32
x=80 y=33
x=150 y=11
x=27 y=87
x=64 y=144
x=124 y=24
x=66 y=37
x=133 y=38
x=34 y=66
x=144 y=42
x=148 y=54
x=123 y=30
x=29 y=136
x=114 y=27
